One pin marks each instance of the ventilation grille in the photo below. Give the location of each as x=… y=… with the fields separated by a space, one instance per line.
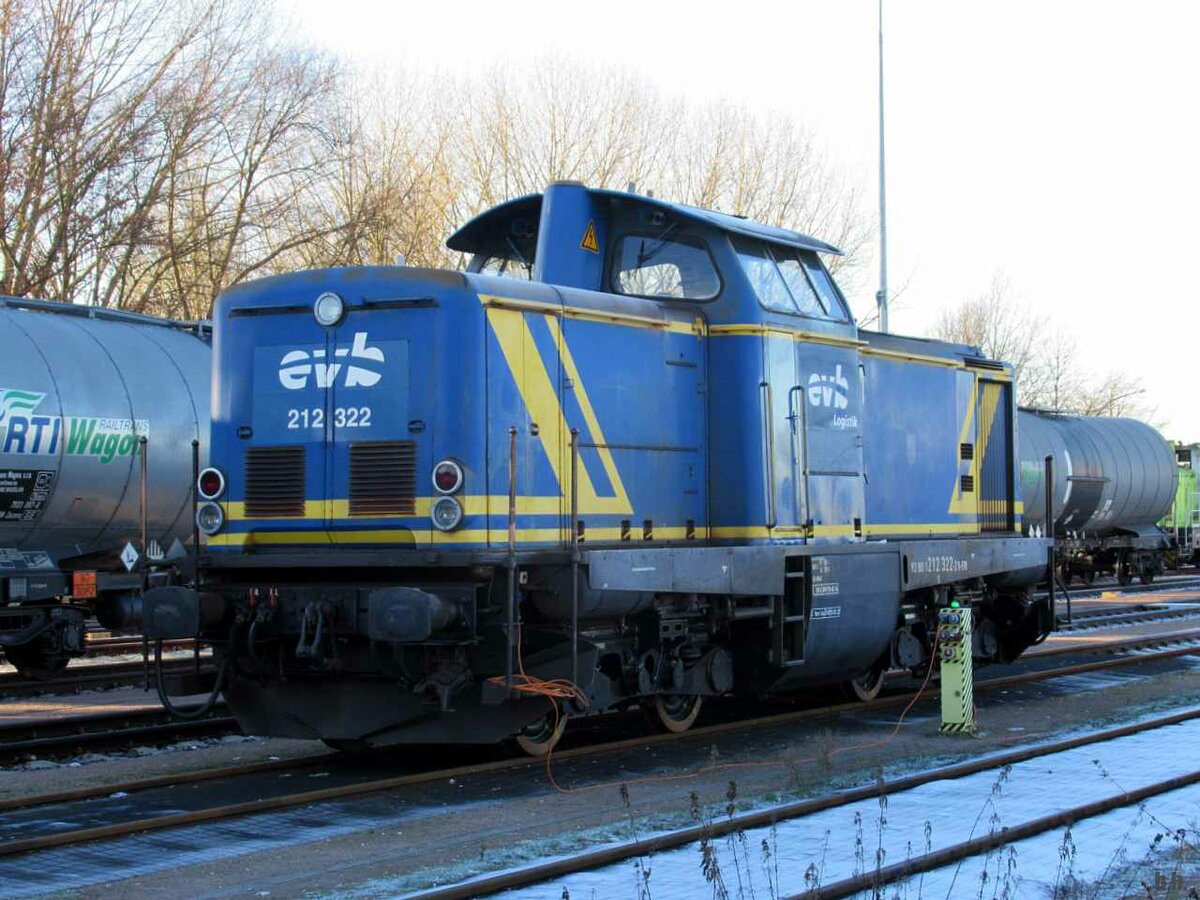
x=383 y=478
x=274 y=482
x=966 y=451
x=968 y=484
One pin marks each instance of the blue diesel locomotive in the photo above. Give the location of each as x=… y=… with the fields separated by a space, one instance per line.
x=638 y=453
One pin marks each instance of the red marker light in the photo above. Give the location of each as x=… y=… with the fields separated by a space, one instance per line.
x=447 y=476
x=211 y=484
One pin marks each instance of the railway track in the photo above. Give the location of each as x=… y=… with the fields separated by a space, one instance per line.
x=125 y=820
x=529 y=876
x=96 y=676
x=102 y=643
x=1140 y=614
x=103 y=731
x=118 y=646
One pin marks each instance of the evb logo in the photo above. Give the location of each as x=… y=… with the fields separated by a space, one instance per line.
x=297 y=365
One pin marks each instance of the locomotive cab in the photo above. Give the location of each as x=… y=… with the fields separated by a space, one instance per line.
x=637 y=453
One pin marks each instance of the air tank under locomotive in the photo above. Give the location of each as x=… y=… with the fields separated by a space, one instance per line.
x=82 y=392
x=1113 y=480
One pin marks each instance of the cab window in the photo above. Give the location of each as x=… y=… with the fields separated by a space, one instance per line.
x=790 y=280
x=647 y=266
x=504 y=266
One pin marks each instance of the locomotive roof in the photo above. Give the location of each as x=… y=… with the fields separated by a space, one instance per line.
x=475 y=234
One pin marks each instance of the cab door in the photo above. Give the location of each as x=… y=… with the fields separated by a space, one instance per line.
x=785 y=438
x=831 y=384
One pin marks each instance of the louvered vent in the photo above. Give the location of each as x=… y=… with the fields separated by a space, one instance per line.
x=968 y=483
x=966 y=451
x=274 y=482
x=383 y=478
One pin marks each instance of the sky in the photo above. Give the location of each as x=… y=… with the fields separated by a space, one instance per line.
x=1055 y=143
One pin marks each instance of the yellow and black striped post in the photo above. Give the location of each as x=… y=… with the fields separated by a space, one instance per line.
x=958 y=696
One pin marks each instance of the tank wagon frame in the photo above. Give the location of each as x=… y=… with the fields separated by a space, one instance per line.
x=100 y=413
x=638 y=453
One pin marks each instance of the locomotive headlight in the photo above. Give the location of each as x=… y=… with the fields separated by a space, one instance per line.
x=211 y=484
x=447 y=476
x=329 y=309
x=446 y=514
x=209 y=518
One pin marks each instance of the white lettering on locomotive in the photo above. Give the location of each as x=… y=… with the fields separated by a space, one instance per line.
x=297 y=365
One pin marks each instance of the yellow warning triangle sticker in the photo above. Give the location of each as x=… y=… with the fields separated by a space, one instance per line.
x=589 y=241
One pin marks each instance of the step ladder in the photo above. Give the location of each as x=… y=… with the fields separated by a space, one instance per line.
x=790 y=622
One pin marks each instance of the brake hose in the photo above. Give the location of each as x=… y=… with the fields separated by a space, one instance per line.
x=195 y=712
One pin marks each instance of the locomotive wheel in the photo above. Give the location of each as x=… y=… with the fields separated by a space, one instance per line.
x=35 y=661
x=865 y=687
x=542 y=736
x=675 y=713
x=1089 y=574
x=1064 y=574
x=1146 y=576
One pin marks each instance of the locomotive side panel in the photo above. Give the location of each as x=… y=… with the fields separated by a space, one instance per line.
x=632 y=387
x=740 y=486
x=920 y=416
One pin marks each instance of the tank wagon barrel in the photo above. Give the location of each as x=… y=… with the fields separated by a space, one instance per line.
x=1115 y=479
x=82 y=392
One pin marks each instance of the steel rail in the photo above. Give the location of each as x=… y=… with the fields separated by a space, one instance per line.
x=765 y=817
x=126 y=673
x=1131 y=620
x=175 y=779
x=272 y=804
x=1117 y=643
x=60 y=744
x=112 y=646
x=1005 y=836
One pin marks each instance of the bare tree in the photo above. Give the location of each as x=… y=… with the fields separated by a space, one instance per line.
x=151 y=157
x=1048 y=371
x=993 y=322
x=609 y=129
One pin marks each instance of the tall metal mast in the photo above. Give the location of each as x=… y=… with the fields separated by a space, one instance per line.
x=881 y=298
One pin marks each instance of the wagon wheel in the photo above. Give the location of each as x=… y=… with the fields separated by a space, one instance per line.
x=1124 y=572
x=1146 y=575
x=675 y=713
x=1065 y=573
x=36 y=660
x=540 y=737
x=865 y=687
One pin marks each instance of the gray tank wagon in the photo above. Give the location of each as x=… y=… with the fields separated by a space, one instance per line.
x=1113 y=480
x=82 y=392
